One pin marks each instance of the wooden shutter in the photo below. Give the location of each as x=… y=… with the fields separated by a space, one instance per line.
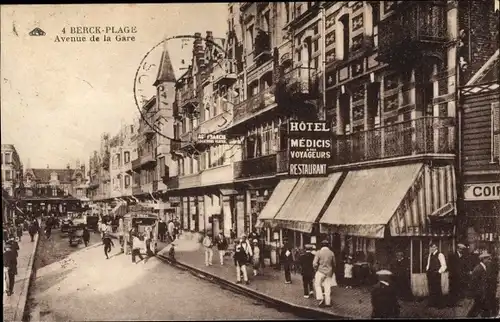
x=495 y=131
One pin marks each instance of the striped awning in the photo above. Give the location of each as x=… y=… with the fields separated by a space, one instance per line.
x=304 y=205
x=400 y=198
x=276 y=201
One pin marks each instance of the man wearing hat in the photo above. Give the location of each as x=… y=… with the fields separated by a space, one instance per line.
x=479 y=280
x=324 y=264
x=402 y=276
x=9 y=267
x=457 y=267
x=384 y=297
x=306 y=264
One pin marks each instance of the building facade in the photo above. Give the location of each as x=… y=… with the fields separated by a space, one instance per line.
x=12 y=169
x=123 y=149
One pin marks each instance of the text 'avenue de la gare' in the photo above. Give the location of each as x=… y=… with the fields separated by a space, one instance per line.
x=97 y=34
x=310 y=145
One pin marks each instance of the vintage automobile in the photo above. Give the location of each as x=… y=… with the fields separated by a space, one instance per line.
x=141 y=221
x=66 y=225
x=76 y=234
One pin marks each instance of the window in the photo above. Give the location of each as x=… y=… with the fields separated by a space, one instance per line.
x=250 y=38
x=79 y=192
x=495 y=131
x=375 y=12
x=54 y=192
x=126 y=157
x=53 y=176
x=8 y=158
x=127 y=181
x=8 y=175
x=266 y=142
x=316 y=45
x=287 y=12
x=346 y=35
x=161 y=165
x=265 y=21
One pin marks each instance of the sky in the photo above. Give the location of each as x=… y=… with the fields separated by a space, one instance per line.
x=57 y=98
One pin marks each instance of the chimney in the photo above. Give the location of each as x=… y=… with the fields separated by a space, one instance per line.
x=68 y=166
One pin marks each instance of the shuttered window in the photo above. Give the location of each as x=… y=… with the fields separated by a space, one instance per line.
x=495 y=132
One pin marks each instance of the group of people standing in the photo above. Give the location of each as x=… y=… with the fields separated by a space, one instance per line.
x=168 y=230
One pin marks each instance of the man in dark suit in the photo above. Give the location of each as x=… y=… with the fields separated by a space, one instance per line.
x=457 y=267
x=306 y=264
x=480 y=279
x=384 y=297
x=436 y=265
x=10 y=267
x=402 y=277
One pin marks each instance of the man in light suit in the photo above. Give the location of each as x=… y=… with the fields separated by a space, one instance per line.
x=324 y=264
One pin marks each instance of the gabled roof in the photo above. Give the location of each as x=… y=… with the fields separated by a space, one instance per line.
x=165 y=71
x=486 y=70
x=63 y=175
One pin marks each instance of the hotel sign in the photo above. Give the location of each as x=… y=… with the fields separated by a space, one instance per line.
x=310 y=146
x=482 y=191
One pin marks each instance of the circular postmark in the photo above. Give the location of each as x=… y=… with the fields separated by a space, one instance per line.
x=147 y=71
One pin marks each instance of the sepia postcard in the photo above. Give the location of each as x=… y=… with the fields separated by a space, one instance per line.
x=250 y=160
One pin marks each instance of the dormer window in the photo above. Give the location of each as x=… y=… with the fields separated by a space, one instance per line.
x=53 y=176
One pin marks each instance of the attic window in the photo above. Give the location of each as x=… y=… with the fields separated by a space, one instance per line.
x=53 y=176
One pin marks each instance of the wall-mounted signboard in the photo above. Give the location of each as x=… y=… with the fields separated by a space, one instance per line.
x=482 y=191
x=204 y=138
x=310 y=146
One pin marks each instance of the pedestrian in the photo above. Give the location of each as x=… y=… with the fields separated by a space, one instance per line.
x=253 y=235
x=480 y=279
x=149 y=242
x=209 y=253
x=384 y=297
x=287 y=261
x=324 y=264
x=256 y=257
x=171 y=230
x=232 y=235
x=32 y=230
x=107 y=242
x=457 y=269
x=10 y=268
x=240 y=261
x=306 y=264
x=19 y=231
x=86 y=236
x=162 y=228
x=245 y=244
x=401 y=276
x=222 y=244
x=48 y=229
x=136 y=248
x=121 y=233
x=436 y=265
x=348 y=267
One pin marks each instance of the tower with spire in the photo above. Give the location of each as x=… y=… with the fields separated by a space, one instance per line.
x=165 y=85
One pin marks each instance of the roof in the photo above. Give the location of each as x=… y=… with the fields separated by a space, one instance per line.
x=165 y=71
x=488 y=67
x=63 y=175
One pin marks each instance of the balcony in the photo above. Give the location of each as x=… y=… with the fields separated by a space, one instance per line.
x=175 y=146
x=256 y=167
x=136 y=165
x=415 y=28
x=263 y=51
x=173 y=182
x=299 y=83
x=220 y=121
x=224 y=72
x=136 y=190
x=188 y=101
x=423 y=136
x=217 y=175
x=127 y=168
x=250 y=107
x=148 y=160
x=189 y=181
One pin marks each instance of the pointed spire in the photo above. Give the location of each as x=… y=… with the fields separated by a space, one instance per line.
x=165 y=71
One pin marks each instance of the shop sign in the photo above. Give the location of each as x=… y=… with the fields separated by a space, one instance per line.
x=482 y=191
x=310 y=146
x=204 y=138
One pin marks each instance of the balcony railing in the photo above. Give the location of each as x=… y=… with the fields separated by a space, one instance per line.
x=148 y=160
x=255 y=167
x=189 y=181
x=187 y=99
x=412 y=27
x=426 y=135
x=136 y=164
x=173 y=182
x=224 y=72
x=300 y=81
x=217 y=175
x=254 y=104
x=136 y=190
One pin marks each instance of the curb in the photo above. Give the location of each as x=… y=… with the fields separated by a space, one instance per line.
x=21 y=305
x=298 y=310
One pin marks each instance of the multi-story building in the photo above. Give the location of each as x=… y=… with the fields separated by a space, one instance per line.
x=123 y=149
x=99 y=172
x=12 y=169
x=388 y=92
x=480 y=156
x=53 y=191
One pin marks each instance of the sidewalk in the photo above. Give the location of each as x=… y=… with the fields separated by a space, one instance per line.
x=13 y=306
x=349 y=303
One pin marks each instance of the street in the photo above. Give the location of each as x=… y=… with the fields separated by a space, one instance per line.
x=86 y=286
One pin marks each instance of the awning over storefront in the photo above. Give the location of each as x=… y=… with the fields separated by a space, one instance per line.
x=305 y=202
x=402 y=197
x=228 y=192
x=276 y=201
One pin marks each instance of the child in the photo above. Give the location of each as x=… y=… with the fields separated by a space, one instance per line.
x=348 y=272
